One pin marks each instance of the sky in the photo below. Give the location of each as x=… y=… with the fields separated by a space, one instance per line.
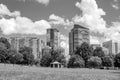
x=102 y=17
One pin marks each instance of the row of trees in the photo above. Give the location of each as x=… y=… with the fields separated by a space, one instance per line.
x=10 y=55
x=25 y=55
x=86 y=56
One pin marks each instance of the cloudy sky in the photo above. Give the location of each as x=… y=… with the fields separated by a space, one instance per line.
x=102 y=17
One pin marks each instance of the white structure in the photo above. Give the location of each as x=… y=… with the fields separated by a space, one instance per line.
x=56 y=65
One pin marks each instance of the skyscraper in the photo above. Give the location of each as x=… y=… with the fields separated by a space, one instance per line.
x=53 y=37
x=14 y=43
x=40 y=46
x=21 y=42
x=77 y=36
x=35 y=43
x=112 y=46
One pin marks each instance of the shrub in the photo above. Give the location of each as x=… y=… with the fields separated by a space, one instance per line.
x=85 y=51
x=76 y=62
x=28 y=57
x=117 y=60
x=98 y=52
x=107 y=61
x=94 y=62
x=15 y=57
x=46 y=60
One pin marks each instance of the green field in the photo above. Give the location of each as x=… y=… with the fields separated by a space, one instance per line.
x=8 y=72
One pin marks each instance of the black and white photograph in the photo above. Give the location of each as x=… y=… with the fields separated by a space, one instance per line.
x=59 y=39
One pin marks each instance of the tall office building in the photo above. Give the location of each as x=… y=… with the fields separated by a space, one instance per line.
x=21 y=40
x=113 y=47
x=40 y=46
x=34 y=46
x=35 y=43
x=14 y=41
x=77 y=36
x=53 y=37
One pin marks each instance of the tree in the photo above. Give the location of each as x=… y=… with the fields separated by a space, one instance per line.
x=3 y=53
x=46 y=60
x=5 y=41
x=57 y=55
x=76 y=61
x=28 y=57
x=117 y=60
x=4 y=49
x=15 y=57
x=37 y=61
x=94 y=62
x=112 y=56
x=85 y=51
x=107 y=61
x=98 y=52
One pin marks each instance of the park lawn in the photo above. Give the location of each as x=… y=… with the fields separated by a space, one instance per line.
x=10 y=72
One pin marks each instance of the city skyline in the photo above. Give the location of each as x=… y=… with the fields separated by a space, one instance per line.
x=60 y=39
x=35 y=16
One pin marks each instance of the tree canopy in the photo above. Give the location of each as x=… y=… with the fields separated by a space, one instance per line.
x=117 y=60
x=94 y=62
x=98 y=52
x=46 y=60
x=76 y=61
x=107 y=61
x=15 y=57
x=57 y=54
x=28 y=57
x=85 y=51
x=4 y=49
x=5 y=42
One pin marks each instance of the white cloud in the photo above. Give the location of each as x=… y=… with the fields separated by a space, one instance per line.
x=54 y=19
x=22 y=25
x=46 y=2
x=94 y=40
x=61 y=21
x=115 y=0
x=115 y=6
x=91 y=15
x=5 y=11
x=113 y=32
x=43 y=1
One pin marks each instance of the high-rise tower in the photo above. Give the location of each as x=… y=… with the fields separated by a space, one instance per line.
x=53 y=37
x=77 y=36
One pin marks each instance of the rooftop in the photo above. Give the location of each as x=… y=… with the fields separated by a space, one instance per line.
x=56 y=62
x=80 y=26
x=53 y=29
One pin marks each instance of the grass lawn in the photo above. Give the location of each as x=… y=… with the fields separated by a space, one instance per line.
x=8 y=72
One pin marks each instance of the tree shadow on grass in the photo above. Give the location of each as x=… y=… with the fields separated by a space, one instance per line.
x=116 y=72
